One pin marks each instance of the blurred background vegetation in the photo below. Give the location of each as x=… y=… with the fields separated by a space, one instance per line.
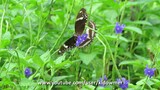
x=31 y=32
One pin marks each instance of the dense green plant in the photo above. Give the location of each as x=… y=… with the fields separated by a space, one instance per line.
x=32 y=31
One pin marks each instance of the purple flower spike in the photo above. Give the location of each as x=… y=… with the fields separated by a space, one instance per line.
x=105 y=78
x=27 y=72
x=81 y=39
x=123 y=83
x=119 y=28
x=149 y=71
x=102 y=82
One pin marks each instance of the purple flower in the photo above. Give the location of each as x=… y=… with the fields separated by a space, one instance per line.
x=81 y=39
x=119 y=28
x=149 y=71
x=27 y=72
x=102 y=82
x=123 y=83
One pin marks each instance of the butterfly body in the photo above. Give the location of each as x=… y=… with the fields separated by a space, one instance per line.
x=80 y=24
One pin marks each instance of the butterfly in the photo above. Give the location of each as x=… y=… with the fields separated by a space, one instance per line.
x=80 y=23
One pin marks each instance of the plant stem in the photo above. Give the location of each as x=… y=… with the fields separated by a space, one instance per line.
x=42 y=23
x=113 y=59
x=1 y=26
x=144 y=83
x=115 y=53
x=104 y=55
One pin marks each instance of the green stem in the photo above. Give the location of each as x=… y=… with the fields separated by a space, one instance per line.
x=41 y=25
x=113 y=59
x=29 y=50
x=144 y=83
x=132 y=42
x=104 y=55
x=115 y=56
x=123 y=9
x=117 y=43
x=30 y=30
x=19 y=66
x=1 y=26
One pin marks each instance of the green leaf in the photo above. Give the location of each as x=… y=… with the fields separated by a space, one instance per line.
x=59 y=59
x=6 y=36
x=17 y=53
x=59 y=78
x=124 y=39
x=156 y=81
x=10 y=66
x=6 y=39
x=88 y=87
x=142 y=22
x=6 y=81
x=131 y=62
x=87 y=58
x=3 y=52
x=138 y=2
x=19 y=36
x=65 y=64
x=37 y=60
x=135 y=29
x=140 y=82
x=114 y=37
x=27 y=82
x=111 y=15
x=46 y=56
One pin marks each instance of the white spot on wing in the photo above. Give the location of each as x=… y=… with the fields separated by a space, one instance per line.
x=81 y=18
x=65 y=46
x=93 y=29
x=80 y=12
x=60 y=51
x=87 y=31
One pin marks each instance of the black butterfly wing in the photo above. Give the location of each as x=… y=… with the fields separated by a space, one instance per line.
x=90 y=33
x=81 y=20
x=80 y=23
x=70 y=43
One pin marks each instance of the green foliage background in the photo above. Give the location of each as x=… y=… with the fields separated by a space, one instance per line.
x=31 y=32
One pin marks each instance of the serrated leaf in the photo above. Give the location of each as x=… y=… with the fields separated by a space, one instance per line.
x=135 y=29
x=6 y=39
x=6 y=36
x=17 y=53
x=87 y=58
x=46 y=56
x=10 y=66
